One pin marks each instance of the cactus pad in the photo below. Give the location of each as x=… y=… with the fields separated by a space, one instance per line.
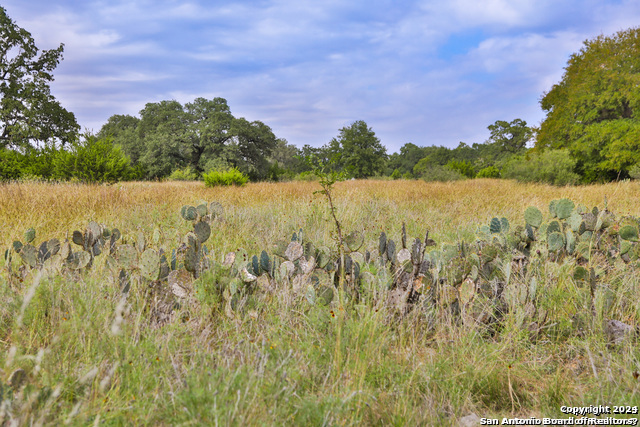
x=564 y=208
x=265 y=263
x=30 y=235
x=189 y=213
x=127 y=256
x=202 y=210
x=629 y=232
x=504 y=225
x=29 y=255
x=294 y=251
x=574 y=221
x=150 y=264
x=78 y=238
x=495 y=226
x=391 y=250
x=324 y=256
x=79 y=260
x=324 y=294
x=554 y=226
x=403 y=256
x=286 y=269
x=382 y=243
x=552 y=208
x=53 y=246
x=354 y=240
x=141 y=242
x=191 y=259
x=533 y=216
x=555 y=241
x=202 y=230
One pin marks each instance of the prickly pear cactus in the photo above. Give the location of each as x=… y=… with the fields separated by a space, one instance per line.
x=354 y=241
x=202 y=231
x=533 y=217
x=150 y=264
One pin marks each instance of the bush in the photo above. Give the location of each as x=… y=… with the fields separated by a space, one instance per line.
x=550 y=166
x=634 y=171
x=277 y=173
x=396 y=174
x=441 y=173
x=93 y=160
x=231 y=176
x=489 y=172
x=11 y=164
x=186 y=174
x=463 y=167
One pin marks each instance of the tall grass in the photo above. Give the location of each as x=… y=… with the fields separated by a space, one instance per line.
x=91 y=357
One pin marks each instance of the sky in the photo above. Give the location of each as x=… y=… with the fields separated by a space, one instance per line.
x=427 y=72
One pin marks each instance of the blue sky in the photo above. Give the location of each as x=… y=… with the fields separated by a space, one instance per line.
x=426 y=72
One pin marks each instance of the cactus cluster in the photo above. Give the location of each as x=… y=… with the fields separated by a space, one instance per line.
x=191 y=253
x=476 y=282
x=56 y=256
x=32 y=256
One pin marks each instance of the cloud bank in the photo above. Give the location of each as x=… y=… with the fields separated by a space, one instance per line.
x=427 y=72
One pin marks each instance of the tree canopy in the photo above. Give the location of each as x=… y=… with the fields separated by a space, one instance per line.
x=359 y=150
x=202 y=134
x=29 y=114
x=511 y=137
x=594 y=110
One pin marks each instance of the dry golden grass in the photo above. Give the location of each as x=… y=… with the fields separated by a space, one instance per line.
x=259 y=212
x=293 y=362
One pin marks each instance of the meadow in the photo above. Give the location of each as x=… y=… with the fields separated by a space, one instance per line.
x=78 y=349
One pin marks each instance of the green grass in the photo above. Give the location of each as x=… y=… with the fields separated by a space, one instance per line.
x=92 y=357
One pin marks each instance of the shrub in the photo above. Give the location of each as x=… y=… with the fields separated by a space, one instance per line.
x=489 y=172
x=277 y=173
x=185 y=174
x=464 y=167
x=92 y=160
x=231 y=176
x=550 y=166
x=634 y=171
x=11 y=164
x=441 y=173
x=396 y=174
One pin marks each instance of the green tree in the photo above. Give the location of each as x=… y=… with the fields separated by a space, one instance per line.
x=288 y=156
x=594 y=110
x=203 y=135
x=404 y=161
x=254 y=142
x=510 y=137
x=123 y=129
x=209 y=131
x=29 y=114
x=359 y=150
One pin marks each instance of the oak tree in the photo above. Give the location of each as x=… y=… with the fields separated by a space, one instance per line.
x=29 y=114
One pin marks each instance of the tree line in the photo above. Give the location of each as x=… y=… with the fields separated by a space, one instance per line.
x=590 y=133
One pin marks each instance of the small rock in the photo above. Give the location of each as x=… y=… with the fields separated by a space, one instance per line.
x=617 y=331
x=470 y=420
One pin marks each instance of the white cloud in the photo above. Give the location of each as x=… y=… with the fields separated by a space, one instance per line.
x=425 y=71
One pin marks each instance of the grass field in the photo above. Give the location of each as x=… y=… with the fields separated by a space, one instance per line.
x=84 y=354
